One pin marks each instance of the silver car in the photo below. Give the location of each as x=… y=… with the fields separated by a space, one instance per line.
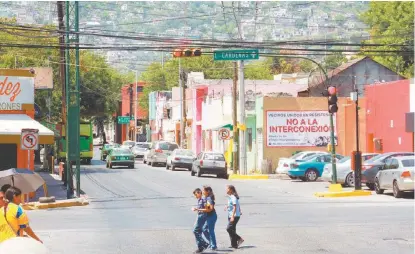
x=159 y=152
x=397 y=174
x=180 y=158
x=140 y=149
x=210 y=163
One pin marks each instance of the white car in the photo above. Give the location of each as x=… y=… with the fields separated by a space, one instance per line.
x=344 y=170
x=397 y=174
x=284 y=163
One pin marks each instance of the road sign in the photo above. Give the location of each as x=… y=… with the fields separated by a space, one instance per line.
x=224 y=134
x=29 y=139
x=234 y=55
x=124 y=119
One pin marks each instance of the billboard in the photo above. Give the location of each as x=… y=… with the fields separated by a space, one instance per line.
x=16 y=91
x=43 y=77
x=298 y=128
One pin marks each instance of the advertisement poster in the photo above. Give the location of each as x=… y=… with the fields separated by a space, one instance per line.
x=299 y=128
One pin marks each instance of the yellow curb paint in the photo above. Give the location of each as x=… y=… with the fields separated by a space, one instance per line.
x=341 y=194
x=248 y=177
x=335 y=187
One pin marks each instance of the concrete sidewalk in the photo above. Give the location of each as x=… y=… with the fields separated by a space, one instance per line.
x=56 y=189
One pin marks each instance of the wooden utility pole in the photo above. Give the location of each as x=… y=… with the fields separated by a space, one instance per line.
x=60 y=5
x=183 y=108
x=235 y=148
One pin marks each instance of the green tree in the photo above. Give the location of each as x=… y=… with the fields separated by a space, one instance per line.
x=306 y=66
x=333 y=61
x=100 y=84
x=392 y=23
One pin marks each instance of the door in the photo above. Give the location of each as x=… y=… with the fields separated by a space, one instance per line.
x=393 y=172
x=383 y=173
x=8 y=156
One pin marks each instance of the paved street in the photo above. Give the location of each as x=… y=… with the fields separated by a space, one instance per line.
x=148 y=210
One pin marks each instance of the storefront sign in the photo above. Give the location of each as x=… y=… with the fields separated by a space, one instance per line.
x=16 y=91
x=298 y=128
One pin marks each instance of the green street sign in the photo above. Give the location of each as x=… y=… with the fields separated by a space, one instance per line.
x=234 y=55
x=124 y=119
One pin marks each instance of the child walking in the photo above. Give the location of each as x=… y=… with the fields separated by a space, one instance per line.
x=234 y=214
x=211 y=217
x=200 y=221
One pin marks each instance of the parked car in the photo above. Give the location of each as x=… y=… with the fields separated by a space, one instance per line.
x=397 y=174
x=344 y=170
x=128 y=143
x=120 y=157
x=372 y=166
x=159 y=152
x=180 y=158
x=284 y=163
x=311 y=168
x=105 y=149
x=145 y=155
x=140 y=149
x=210 y=163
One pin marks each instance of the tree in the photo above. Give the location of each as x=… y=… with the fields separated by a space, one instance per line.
x=333 y=61
x=306 y=65
x=100 y=84
x=392 y=23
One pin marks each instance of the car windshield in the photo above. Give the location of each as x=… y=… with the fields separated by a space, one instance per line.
x=376 y=158
x=408 y=163
x=168 y=146
x=214 y=157
x=143 y=146
x=184 y=152
x=295 y=156
x=345 y=159
x=129 y=143
x=108 y=146
x=121 y=151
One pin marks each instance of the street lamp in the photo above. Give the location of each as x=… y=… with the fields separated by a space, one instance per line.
x=357 y=155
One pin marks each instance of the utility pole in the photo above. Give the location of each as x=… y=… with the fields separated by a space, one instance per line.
x=357 y=155
x=235 y=154
x=60 y=7
x=242 y=128
x=182 y=107
x=131 y=112
x=135 y=106
x=72 y=96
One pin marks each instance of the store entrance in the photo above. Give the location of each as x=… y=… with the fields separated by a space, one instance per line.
x=8 y=156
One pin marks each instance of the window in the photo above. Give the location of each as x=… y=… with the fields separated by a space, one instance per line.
x=408 y=163
x=249 y=139
x=214 y=157
x=394 y=164
x=167 y=146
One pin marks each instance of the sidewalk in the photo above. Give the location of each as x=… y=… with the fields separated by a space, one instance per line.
x=55 y=188
x=257 y=176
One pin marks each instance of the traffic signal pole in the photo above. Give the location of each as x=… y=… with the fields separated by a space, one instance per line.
x=242 y=138
x=333 y=150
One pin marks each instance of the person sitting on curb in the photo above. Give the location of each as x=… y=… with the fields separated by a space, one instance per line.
x=15 y=215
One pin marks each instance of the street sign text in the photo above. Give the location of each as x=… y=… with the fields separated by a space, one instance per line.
x=234 y=55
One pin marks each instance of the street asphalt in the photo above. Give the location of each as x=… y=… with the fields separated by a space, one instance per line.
x=148 y=210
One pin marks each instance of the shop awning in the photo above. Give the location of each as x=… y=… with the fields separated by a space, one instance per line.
x=11 y=126
x=226 y=126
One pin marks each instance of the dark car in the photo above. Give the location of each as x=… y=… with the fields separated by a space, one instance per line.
x=372 y=166
x=120 y=157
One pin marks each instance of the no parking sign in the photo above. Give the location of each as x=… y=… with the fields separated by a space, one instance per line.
x=29 y=139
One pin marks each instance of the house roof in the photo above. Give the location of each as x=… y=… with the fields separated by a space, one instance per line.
x=338 y=70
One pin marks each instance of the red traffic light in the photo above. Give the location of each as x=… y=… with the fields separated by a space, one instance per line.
x=332 y=90
x=177 y=53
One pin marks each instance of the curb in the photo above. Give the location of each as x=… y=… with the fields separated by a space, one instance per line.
x=342 y=194
x=248 y=177
x=57 y=204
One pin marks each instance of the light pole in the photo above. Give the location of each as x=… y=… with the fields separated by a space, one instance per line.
x=135 y=106
x=357 y=155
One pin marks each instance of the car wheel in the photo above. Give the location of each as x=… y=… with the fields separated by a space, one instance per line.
x=88 y=161
x=223 y=176
x=192 y=173
x=311 y=175
x=302 y=178
x=173 y=167
x=371 y=186
x=107 y=165
x=292 y=177
x=189 y=169
x=167 y=166
x=132 y=166
x=349 y=180
x=378 y=190
x=152 y=164
x=144 y=161
x=111 y=165
x=396 y=192
x=199 y=172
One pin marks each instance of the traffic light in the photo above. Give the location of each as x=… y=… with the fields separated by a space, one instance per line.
x=332 y=99
x=186 y=52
